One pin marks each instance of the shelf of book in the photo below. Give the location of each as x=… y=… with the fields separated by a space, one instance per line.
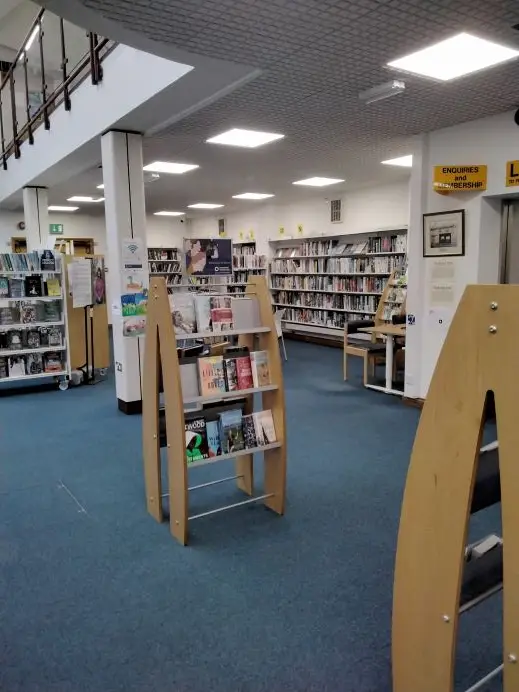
x=351 y=270
x=227 y=427
x=33 y=317
x=246 y=262
x=167 y=262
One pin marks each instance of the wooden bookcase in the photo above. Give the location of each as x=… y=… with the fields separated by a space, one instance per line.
x=161 y=359
x=69 y=246
x=246 y=262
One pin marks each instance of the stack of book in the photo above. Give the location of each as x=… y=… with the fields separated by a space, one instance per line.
x=235 y=370
x=226 y=432
x=206 y=312
x=38 y=260
x=32 y=286
x=16 y=339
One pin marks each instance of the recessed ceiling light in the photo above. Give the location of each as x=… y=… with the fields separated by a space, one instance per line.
x=454 y=57
x=84 y=198
x=204 y=205
x=101 y=187
x=169 y=167
x=252 y=195
x=169 y=213
x=318 y=182
x=244 y=138
x=382 y=91
x=404 y=161
x=57 y=207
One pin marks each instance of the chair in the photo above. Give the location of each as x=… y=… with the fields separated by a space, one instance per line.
x=366 y=349
x=278 y=317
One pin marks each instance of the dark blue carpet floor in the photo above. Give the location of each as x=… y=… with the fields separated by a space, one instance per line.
x=97 y=597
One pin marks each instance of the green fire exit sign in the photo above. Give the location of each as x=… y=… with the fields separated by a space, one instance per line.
x=56 y=229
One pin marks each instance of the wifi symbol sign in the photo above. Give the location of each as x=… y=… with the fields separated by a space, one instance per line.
x=133 y=248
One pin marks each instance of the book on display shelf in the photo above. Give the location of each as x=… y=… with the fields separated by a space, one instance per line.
x=231 y=432
x=264 y=427
x=196 y=439
x=212 y=375
x=260 y=368
x=17 y=366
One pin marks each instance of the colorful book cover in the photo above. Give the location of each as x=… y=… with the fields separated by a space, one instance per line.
x=33 y=338
x=244 y=372
x=4 y=368
x=27 y=313
x=47 y=261
x=52 y=362
x=4 y=287
x=211 y=375
x=231 y=432
x=264 y=426
x=53 y=287
x=203 y=312
x=231 y=376
x=183 y=312
x=34 y=363
x=213 y=438
x=249 y=431
x=196 y=440
x=221 y=319
x=260 y=368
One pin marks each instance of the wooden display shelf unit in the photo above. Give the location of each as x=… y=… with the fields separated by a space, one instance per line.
x=161 y=357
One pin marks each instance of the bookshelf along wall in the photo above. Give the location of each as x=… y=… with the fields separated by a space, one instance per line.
x=166 y=262
x=322 y=283
x=33 y=317
x=223 y=384
x=246 y=262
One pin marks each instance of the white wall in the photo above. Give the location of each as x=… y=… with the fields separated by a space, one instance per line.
x=363 y=210
x=488 y=141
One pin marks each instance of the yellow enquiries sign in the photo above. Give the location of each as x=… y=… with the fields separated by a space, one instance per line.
x=460 y=178
x=512 y=173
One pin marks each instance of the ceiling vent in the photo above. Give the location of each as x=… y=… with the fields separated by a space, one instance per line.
x=336 y=211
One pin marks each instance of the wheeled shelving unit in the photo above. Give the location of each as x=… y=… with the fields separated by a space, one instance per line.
x=26 y=320
x=161 y=357
x=322 y=282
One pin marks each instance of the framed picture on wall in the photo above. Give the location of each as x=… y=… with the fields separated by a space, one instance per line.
x=444 y=234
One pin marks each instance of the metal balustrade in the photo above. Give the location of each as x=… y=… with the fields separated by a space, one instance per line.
x=53 y=60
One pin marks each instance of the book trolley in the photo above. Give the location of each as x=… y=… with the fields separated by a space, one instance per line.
x=161 y=362
x=437 y=576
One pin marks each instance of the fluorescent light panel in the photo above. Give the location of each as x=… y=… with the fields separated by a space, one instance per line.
x=456 y=56
x=169 y=213
x=85 y=198
x=244 y=138
x=252 y=195
x=169 y=167
x=204 y=205
x=318 y=182
x=57 y=207
x=382 y=91
x=101 y=187
x=404 y=161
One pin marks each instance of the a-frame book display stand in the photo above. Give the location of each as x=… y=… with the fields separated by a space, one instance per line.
x=161 y=357
x=479 y=356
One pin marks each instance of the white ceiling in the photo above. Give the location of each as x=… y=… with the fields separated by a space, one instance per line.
x=315 y=57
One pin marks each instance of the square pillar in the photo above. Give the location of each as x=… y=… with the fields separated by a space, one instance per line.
x=36 y=213
x=125 y=214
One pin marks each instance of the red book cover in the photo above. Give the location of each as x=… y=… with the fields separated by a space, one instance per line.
x=244 y=372
x=221 y=319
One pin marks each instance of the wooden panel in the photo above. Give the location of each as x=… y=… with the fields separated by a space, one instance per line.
x=275 y=466
x=76 y=328
x=161 y=351
x=436 y=505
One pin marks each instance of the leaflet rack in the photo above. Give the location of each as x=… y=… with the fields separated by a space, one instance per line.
x=450 y=477
x=161 y=358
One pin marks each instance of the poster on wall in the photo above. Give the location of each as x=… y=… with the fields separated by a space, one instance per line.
x=134 y=301
x=98 y=281
x=80 y=277
x=133 y=253
x=208 y=257
x=444 y=234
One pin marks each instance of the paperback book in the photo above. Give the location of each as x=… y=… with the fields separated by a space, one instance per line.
x=4 y=287
x=221 y=313
x=249 y=431
x=27 y=313
x=14 y=340
x=52 y=362
x=202 y=303
x=260 y=368
x=196 y=440
x=231 y=432
x=213 y=438
x=244 y=372
x=264 y=427
x=4 y=368
x=17 y=366
x=53 y=287
x=34 y=363
x=33 y=338
x=33 y=286
x=211 y=375
x=183 y=311
x=231 y=376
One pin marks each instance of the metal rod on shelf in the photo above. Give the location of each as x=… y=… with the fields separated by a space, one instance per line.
x=2 y=133
x=481 y=683
x=206 y=485
x=483 y=597
x=13 y=111
x=236 y=504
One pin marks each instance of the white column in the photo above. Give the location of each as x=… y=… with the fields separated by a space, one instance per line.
x=36 y=213
x=125 y=218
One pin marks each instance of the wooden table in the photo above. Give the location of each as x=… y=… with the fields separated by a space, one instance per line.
x=390 y=331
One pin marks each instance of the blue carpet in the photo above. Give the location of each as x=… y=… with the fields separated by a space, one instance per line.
x=97 y=597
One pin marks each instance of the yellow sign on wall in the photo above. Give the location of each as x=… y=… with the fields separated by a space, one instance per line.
x=460 y=179
x=512 y=173
x=281 y=230
x=299 y=229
